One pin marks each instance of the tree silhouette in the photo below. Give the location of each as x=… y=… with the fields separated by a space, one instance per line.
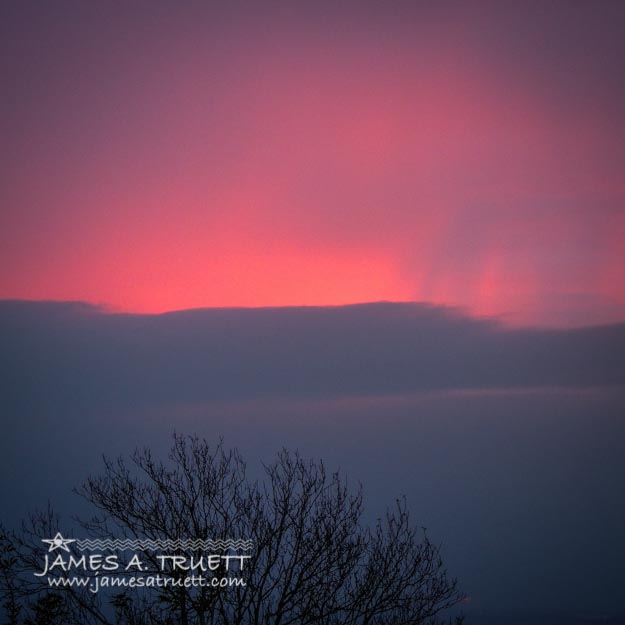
x=313 y=561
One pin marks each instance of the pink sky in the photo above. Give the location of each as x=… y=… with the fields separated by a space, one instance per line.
x=185 y=158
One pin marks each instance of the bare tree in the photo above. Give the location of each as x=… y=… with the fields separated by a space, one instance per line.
x=313 y=560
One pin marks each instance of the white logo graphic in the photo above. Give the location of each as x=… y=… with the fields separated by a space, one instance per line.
x=207 y=563
x=58 y=542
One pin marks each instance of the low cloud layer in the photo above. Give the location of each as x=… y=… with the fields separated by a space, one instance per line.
x=509 y=444
x=70 y=354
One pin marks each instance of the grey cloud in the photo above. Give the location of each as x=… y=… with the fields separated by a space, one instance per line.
x=75 y=354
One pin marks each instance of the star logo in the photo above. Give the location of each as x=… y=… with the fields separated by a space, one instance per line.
x=58 y=542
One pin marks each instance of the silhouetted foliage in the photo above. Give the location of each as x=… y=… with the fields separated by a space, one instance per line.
x=313 y=560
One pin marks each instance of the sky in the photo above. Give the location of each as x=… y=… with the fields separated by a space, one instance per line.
x=400 y=227
x=162 y=156
x=509 y=444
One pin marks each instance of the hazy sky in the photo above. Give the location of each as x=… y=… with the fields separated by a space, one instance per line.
x=167 y=155
x=509 y=444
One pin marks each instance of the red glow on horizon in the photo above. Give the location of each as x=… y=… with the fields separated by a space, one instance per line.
x=417 y=169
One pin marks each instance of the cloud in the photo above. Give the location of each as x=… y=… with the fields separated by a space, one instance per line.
x=508 y=443
x=74 y=354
